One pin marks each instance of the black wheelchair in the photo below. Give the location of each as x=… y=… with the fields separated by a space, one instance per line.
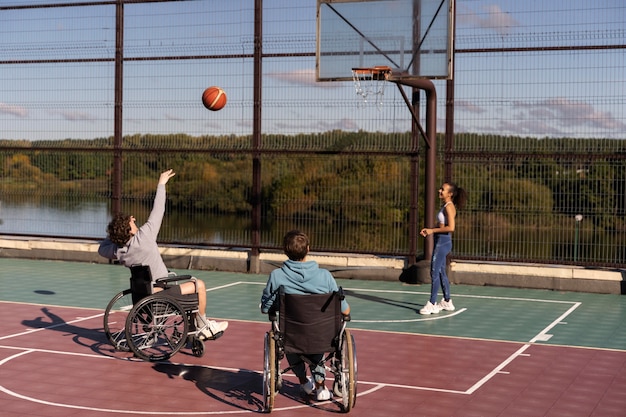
x=153 y=325
x=304 y=324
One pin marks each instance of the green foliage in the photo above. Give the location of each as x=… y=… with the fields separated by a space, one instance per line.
x=338 y=179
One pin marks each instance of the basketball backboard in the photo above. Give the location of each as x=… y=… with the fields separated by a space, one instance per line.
x=413 y=37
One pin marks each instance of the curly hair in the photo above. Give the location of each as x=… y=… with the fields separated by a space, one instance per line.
x=119 y=229
x=296 y=245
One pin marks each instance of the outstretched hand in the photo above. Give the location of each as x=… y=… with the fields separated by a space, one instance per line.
x=165 y=176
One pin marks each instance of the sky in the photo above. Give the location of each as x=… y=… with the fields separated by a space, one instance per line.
x=542 y=94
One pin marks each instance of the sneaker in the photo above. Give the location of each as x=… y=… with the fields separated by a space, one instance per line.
x=308 y=387
x=446 y=305
x=430 y=308
x=212 y=330
x=322 y=394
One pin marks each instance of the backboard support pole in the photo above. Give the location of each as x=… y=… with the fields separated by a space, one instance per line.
x=430 y=170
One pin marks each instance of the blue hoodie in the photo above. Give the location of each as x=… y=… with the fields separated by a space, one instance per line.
x=299 y=278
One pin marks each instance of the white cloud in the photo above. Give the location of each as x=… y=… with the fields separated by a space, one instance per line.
x=468 y=106
x=566 y=113
x=13 y=110
x=75 y=115
x=492 y=18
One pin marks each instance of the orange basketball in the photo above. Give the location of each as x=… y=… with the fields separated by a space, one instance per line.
x=214 y=98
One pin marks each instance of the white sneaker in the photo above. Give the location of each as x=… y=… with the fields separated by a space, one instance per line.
x=430 y=308
x=212 y=330
x=446 y=305
x=308 y=387
x=322 y=394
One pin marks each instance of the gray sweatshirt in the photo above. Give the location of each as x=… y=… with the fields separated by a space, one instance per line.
x=142 y=248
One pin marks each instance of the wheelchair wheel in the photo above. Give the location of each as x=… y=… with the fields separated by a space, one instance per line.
x=156 y=328
x=115 y=319
x=346 y=378
x=197 y=347
x=270 y=372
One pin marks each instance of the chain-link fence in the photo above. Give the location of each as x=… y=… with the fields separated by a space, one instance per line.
x=98 y=97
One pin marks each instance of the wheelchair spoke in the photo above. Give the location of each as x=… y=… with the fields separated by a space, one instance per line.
x=158 y=327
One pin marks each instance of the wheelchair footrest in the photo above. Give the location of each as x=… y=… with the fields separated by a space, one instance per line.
x=215 y=336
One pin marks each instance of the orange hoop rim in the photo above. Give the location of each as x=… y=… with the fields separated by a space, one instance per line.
x=373 y=71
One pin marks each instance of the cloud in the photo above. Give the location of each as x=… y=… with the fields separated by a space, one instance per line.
x=169 y=116
x=318 y=125
x=74 y=116
x=493 y=18
x=464 y=105
x=567 y=113
x=301 y=77
x=13 y=110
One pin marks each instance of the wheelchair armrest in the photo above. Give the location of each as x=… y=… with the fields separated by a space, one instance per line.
x=162 y=282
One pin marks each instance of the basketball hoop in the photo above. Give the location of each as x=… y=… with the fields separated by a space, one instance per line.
x=370 y=83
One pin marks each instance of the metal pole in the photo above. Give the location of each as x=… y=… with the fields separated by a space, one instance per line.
x=116 y=184
x=256 y=138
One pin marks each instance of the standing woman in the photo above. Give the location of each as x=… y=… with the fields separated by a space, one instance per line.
x=451 y=197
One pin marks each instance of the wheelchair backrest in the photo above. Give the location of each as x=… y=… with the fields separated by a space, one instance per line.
x=140 y=282
x=310 y=323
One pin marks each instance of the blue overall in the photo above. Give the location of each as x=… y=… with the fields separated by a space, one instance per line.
x=443 y=246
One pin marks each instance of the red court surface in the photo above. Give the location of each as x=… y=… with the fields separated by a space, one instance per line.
x=502 y=352
x=55 y=361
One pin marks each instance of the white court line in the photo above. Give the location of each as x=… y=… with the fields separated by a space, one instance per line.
x=29 y=331
x=376 y=386
x=232 y=284
x=544 y=332
x=430 y=318
x=539 y=337
x=486 y=297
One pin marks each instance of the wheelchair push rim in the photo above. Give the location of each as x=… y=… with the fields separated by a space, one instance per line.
x=345 y=385
x=270 y=372
x=115 y=316
x=156 y=328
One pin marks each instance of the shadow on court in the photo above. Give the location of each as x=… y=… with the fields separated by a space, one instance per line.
x=94 y=339
x=409 y=305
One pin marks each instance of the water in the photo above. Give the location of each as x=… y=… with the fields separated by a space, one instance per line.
x=84 y=219
x=89 y=219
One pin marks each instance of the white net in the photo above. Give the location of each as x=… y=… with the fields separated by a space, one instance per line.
x=369 y=83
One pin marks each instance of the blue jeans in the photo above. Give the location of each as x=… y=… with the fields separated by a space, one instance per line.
x=438 y=275
x=318 y=372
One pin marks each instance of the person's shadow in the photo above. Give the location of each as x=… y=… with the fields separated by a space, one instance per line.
x=94 y=339
x=242 y=389
x=415 y=307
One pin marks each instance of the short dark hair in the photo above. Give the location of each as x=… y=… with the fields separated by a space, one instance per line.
x=296 y=245
x=119 y=229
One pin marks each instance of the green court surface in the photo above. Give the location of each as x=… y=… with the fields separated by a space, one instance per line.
x=489 y=313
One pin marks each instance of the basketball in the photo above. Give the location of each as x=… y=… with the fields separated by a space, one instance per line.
x=214 y=98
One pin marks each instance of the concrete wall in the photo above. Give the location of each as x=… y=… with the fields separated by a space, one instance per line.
x=348 y=266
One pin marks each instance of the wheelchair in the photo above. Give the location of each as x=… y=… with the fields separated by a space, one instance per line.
x=154 y=326
x=310 y=324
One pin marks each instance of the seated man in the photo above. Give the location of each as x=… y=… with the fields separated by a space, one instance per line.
x=299 y=276
x=131 y=245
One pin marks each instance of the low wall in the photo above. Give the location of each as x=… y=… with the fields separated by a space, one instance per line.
x=347 y=266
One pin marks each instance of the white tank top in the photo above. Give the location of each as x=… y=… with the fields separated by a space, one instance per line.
x=442 y=218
